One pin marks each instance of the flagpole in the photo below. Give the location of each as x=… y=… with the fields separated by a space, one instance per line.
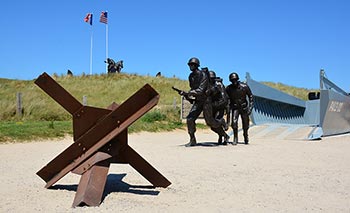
x=91 y=44
x=88 y=19
x=106 y=46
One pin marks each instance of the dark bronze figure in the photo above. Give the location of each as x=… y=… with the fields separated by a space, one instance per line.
x=114 y=67
x=217 y=102
x=199 y=84
x=69 y=73
x=119 y=66
x=238 y=93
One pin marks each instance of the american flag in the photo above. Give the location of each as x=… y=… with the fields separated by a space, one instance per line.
x=103 y=17
x=88 y=18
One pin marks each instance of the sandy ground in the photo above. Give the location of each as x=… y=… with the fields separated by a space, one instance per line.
x=268 y=175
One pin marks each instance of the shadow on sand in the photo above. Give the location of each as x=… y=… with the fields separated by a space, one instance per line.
x=115 y=184
x=213 y=144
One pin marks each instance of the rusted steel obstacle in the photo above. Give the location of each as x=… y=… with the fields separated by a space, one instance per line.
x=100 y=138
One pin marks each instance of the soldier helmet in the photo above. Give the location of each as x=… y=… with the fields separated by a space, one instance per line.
x=234 y=77
x=212 y=74
x=193 y=61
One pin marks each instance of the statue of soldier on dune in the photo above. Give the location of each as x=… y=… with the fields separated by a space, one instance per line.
x=114 y=67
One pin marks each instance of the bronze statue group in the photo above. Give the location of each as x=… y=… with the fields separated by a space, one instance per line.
x=208 y=95
x=114 y=67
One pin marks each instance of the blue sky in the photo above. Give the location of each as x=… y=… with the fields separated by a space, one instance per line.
x=285 y=41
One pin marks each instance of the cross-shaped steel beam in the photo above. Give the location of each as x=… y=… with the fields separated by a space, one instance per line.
x=100 y=138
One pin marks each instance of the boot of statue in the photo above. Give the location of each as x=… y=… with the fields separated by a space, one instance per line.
x=220 y=140
x=246 y=139
x=226 y=139
x=235 y=137
x=192 y=142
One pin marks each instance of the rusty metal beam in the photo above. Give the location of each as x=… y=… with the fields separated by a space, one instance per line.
x=108 y=151
x=91 y=185
x=85 y=118
x=93 y=160
x=144 y=168
x=94 y=172
x=58 y=93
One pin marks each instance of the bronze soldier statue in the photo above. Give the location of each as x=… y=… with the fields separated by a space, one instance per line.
x=119 y=66
x=111 y=65
x=214 y=109
x=198 y=83
x=114 y=67
x=238 y=93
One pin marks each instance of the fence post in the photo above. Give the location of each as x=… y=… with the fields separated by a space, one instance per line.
x=182 y=107
x=84 y=100
x=19 y=108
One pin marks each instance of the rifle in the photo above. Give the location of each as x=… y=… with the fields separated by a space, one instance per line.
x=184 y=94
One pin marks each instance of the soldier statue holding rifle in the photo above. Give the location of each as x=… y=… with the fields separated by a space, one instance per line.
x=196 y=95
